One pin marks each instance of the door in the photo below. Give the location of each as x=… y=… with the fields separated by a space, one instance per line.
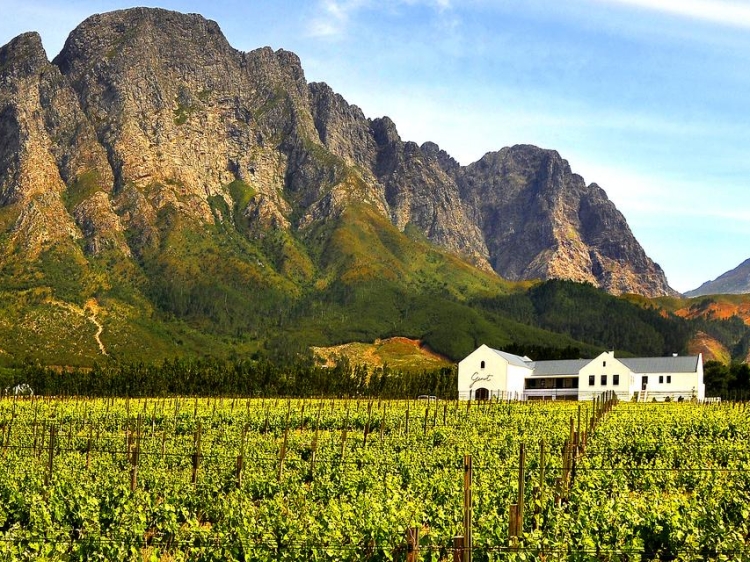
x=644 y=382
x=481 y=394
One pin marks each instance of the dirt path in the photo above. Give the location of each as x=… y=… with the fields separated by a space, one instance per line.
x=93 y=307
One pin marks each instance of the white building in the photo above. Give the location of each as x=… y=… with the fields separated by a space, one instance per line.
x=489 y=373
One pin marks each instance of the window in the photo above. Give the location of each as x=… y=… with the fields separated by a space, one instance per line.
x=482 y=365
x=661 y=379
x=591 y=380
x=669 y=379
x=604 y=363
x=604 y=380
x=616 y=380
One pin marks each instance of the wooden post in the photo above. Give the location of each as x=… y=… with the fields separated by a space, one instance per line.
x=314 y=452
x=241 y=457
x=412 y=544
x=458 y=549
x=43 y=435
x=540 y=486
x=382 y=422
x=36 y=427
x=88 y=449
x=196 y=453
x=521 y=488
x=282 y=454
x=135 y=454
x=468 y=476
x=406 y=425
x=513 y=524
x=343 y=443
x=51 y=456
x=565 y=470
x=367 y=425
x=572 y=436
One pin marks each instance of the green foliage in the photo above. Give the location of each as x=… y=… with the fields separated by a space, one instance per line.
x=587 y=314
x=84 y=186
x=233 y=288
x=65 y=271
x=181 y=114
x=241 y=194
x=727 y=381
x=216 y=281
x=269 y=479
x=185 y=106
x=282 y=368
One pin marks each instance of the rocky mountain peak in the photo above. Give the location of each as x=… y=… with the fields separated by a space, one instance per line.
x=23 y=57
x=148 y=119
x=542 y=221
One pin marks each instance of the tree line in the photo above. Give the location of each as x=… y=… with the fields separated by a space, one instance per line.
x=730 y=382
x=240 y=377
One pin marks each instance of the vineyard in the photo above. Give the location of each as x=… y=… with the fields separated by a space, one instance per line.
x=336 y=480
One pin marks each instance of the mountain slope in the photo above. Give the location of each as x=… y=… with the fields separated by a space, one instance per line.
x=203 y=199
x=734 y=282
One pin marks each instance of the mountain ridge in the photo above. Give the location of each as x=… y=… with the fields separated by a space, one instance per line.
x=145 y=104
x=733 y=282
x=155 y=169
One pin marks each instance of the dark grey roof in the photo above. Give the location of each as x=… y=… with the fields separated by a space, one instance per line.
x=559 y=367
x=680 y=364
x=513 y=359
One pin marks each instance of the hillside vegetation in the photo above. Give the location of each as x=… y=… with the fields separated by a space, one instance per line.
x=165 y=196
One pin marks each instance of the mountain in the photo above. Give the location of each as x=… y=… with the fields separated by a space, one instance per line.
x=161 y=191
x=734 y=282
x=540 y=220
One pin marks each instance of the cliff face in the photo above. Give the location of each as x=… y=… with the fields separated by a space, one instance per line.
x=542 y=221
x=149 y=119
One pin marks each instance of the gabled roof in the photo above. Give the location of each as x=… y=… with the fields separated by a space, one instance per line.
x=514 y=359
x=559 y=367
x=681 y=364
x=572 y=367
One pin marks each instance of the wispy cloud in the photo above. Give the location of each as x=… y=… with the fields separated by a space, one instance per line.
x=335 y=16
x=733 y=14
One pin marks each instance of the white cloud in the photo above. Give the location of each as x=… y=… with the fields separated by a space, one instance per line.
x=734 y=14
x=335 y=16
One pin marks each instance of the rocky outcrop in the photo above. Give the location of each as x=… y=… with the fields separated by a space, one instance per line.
x=43 y=142
x=734 y=282
x=540 y=220
x=147 y=115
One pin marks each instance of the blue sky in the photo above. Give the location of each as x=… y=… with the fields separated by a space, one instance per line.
x=648 y=98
